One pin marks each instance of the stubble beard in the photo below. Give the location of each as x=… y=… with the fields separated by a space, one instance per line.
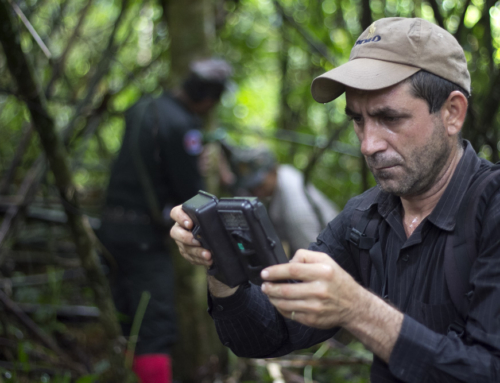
x=421 y=166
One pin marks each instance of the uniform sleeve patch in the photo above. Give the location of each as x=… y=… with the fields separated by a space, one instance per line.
x=193 y=142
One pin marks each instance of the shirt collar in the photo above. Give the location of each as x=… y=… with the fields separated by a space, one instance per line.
x=443 y=215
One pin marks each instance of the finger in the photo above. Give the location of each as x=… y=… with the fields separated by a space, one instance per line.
x=195 y=255
x=305 y=272
x=308 y=256
x=180 y=234
x=286 y=307
x=309 y=307
x=180 y=216
x=295 y=291
x=291 y=314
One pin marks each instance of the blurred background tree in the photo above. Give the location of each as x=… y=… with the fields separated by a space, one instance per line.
x=93 y=59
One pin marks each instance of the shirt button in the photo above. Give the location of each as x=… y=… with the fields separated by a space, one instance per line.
x=220 y=308
x=405 y=258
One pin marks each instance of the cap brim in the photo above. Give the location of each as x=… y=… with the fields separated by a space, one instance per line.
x=362 y=73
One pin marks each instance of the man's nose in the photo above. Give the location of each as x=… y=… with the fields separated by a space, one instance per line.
x=372 y=140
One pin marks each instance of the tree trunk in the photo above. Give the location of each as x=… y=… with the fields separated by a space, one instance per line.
x=198 y=352
x=30 y=91
x=191 y=27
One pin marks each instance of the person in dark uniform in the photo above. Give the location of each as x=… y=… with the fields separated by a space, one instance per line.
x=157 y=168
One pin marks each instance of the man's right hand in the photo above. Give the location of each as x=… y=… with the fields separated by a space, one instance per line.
x=189 y=247
x=191 y=250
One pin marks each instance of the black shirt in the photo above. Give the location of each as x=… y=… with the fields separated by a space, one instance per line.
x=168 y=139
x=424 y=351
x=163 y=137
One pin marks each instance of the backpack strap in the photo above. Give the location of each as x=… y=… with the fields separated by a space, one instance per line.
x=460 y=248
x=362 y=235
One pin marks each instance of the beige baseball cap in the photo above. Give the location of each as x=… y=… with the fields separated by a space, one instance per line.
x=391 y=50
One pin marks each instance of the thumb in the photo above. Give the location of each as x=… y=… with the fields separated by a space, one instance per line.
x=179 y=216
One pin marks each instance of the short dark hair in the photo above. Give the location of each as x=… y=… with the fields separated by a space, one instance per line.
x=433 y=89
x=207 y=79
x=198 y=89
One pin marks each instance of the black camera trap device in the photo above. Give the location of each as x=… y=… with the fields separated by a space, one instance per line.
x=239 y=234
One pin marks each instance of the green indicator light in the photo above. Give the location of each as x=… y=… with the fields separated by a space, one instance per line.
x=240 y=245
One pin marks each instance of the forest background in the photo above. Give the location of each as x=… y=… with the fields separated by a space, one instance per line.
x=68 y=71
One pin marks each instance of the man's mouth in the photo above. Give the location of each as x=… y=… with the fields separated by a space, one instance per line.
x=384 y=167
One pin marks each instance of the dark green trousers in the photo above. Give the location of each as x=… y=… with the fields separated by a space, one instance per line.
x=142 y=263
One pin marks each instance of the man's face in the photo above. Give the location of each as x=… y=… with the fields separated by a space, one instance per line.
x=404 y=145
x=266 y=188
x=204 y=106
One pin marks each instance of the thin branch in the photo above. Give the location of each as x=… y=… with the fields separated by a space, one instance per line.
x=67 y=311
x=311 y=41
x=98 y=75
x=27 y=194
x=14 y=345
x=36 y=331
x=316 y=154
x=461 y=23
x=44 y=258
x=31 y=30
x=61 y=61
x=57 y=18
x=287 y=117
x=93 y=120
x=297 y=138
x=34 y=369
x=40 y=279
x=9 y=92
x=487 y=116
x=437 y=13
x=18 y=155
x=488 y=39
x=491 y=104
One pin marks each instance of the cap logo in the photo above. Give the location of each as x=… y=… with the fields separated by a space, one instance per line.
x=374 y=39
x=371 y=30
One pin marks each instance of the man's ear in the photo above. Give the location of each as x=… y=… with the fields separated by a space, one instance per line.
x=453 y=112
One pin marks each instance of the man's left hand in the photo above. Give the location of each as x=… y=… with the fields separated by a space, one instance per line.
x=325 y=297
x=328 y=297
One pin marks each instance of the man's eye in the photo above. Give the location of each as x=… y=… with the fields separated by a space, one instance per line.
x=390 y=118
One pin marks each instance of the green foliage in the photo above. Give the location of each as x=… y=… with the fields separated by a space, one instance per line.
x=274 y=50
x=87 y=379
x=105 y=57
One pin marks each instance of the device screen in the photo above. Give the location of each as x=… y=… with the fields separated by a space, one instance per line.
x=234 y=220
x=238 y=228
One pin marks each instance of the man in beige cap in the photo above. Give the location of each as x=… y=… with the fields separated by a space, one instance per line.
x=406 y=86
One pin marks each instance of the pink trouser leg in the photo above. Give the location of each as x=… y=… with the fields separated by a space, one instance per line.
x=153 y=368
